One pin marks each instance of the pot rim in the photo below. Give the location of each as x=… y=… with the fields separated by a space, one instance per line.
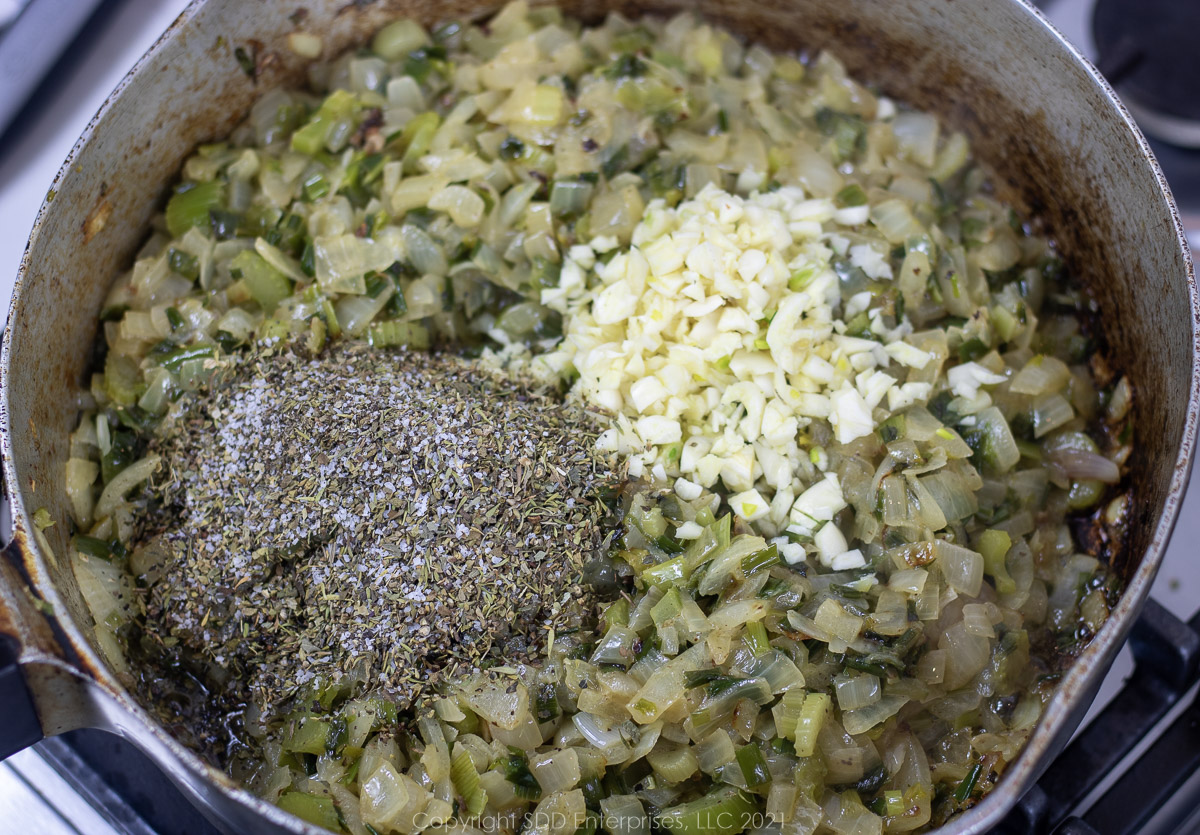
x=1094 y=662
x=1086 y=671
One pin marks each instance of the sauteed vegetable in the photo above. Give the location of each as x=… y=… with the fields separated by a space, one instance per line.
x=869 y=455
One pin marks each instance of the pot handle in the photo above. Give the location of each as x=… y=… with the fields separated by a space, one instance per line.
x=22 y=725
x=41 y=693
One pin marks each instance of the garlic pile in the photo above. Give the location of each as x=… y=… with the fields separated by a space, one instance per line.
x=720 y=335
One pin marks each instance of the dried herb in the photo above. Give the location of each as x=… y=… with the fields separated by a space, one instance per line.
x=368 y=516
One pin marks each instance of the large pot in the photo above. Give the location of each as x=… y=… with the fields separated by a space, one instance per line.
x=1062 y=145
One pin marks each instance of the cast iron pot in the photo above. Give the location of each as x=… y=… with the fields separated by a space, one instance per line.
x=1062 y=145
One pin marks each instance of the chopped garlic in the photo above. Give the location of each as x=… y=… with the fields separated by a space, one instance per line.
x=749 y=505
x=817 y=504
x=966 y=378
x=582 y=255
x=830 y=542
x=847 y=560
x=687 y=490
x=655 y=429
x=909 y=355
x=716 y=329
x=852 y=215
x=792 y=552
x=871 y=261
x=850 y=415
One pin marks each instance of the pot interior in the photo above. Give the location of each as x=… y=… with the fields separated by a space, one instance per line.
x=1033 y=111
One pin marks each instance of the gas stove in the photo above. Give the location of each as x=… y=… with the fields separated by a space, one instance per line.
x=1146 y=50
x=1134 y=767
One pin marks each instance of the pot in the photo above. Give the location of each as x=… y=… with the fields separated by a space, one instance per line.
x=1063 y=148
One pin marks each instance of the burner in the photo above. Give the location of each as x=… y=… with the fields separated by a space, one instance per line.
x=1147 y=50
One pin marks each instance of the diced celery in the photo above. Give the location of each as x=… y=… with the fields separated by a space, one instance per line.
x=190 y=208
x=753 y=765
x=399 y=38
x=569 y=198
x=994 y=545
x=466 y=782
x=671 y=571
x=323 y=127
x=810 y=721
x=756 y=638
x=314 y=808
x=122 y=379
x=416 y=138
x=616 y=647
x=787 y=713
x=308 y=737
x=724 y=811
x=391 y=333
x=617 y=613
x=673 y=764
x=668 y=608
x=267 y=285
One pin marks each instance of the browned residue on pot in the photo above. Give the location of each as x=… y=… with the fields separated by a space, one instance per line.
x=96 y=219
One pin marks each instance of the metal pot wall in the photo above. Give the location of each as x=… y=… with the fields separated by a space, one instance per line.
x=1062 y=147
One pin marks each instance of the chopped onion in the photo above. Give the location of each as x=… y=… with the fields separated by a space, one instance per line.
x=909 y=580
x=282 y=262
x=123 y=482
x=623 y=814
x=1120 y=401
x=917 y=135
x=1082 y=464
x=714 y=751
x=504 y=707
x=895 y=220
x=603 y=736
x=976 y=620
x=354 y=313
x=81 y=475
x=665 y=685
x=1041 y=375
x=777 y=670
x=997 y=446
x=739 y=612
x=952 y=495
x=423 y=252
x=557 y=770
x=861 y=720
x=1049 y=412
x=835 y=621
x=966 y=655
x=341 y=261
x=856 y=690
x=962 y=567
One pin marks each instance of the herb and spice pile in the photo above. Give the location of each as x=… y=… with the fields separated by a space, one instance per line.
x=559 y=429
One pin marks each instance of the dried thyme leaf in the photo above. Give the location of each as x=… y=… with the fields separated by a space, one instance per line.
x=376 y=517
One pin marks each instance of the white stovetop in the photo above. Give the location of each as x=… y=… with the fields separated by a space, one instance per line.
x=30 y=159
